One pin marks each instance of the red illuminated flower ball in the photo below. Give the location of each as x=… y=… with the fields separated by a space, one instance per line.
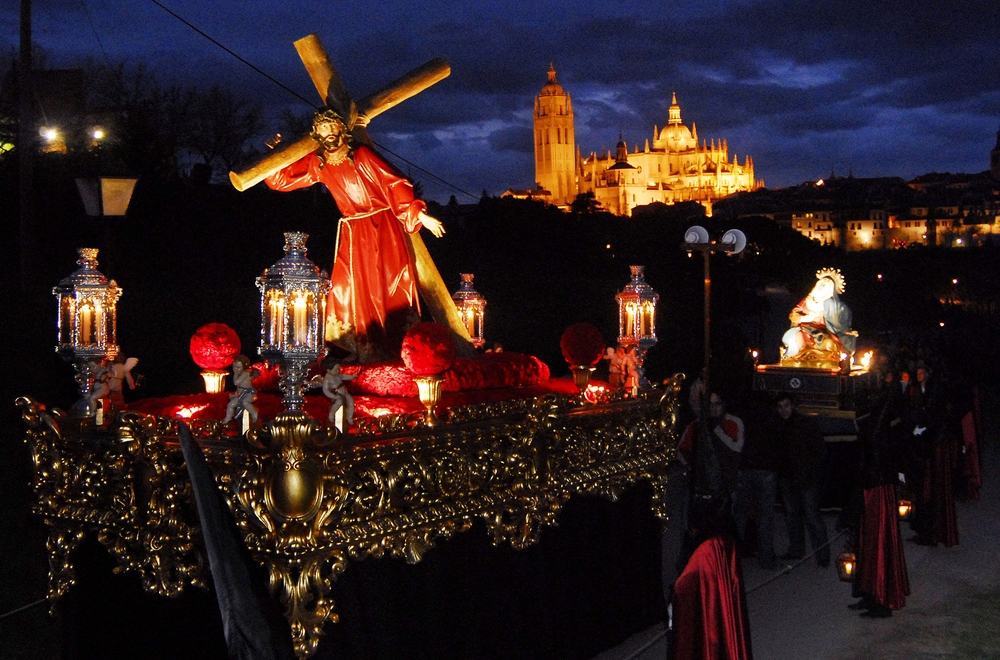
x=428 y=349
x=582 y=344
x=214 y=346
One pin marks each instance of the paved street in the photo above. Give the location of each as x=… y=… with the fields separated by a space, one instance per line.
x=952 y=613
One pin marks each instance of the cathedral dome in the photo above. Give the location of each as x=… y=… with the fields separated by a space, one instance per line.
x=676 y=137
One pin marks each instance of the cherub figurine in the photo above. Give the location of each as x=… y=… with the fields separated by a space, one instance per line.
x=335 y=389
x=242 y=400
x=120 y=372
x=633 y=372
x=616 y=366
x=101 y=389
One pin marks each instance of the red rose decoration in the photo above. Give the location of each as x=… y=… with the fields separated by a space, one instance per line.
x=214 y=346
x=428 y=349
x=582 y=344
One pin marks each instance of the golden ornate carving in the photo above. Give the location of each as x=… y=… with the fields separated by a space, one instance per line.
x=307 y=502
x=127 y=487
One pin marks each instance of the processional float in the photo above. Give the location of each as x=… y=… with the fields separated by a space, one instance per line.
x=309 y=499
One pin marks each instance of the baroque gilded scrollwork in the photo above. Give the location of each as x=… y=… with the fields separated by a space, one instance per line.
x=308 y=500
x=125 y=486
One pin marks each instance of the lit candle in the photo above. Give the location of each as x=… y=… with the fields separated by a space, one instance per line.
x=98 y=322
x=630 y=320
x=86 y=323
x=277 y=306
x=300 y=325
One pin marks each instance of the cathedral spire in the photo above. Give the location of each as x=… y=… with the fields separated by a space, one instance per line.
x=675 y=111
x=552 y=72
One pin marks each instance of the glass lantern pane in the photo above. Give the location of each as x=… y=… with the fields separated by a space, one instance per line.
x=66 y=319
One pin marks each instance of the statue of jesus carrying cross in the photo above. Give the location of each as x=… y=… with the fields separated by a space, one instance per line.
x=380 y=262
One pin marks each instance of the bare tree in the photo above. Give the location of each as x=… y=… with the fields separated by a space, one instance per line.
x=221 y=126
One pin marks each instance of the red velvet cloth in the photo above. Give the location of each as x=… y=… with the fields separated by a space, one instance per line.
x=374 y=275
x=194 y=407
x=710 y=613
x=881 y=560
x=973 y=478
x=486 y=371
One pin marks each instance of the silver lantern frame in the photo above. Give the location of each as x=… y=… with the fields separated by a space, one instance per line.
x=86 y=323
x=293 y=295
x=471 y=309
x=637 y=304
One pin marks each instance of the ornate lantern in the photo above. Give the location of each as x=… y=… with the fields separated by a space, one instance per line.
x=471 y=309
x=637 y=318
x=87 y=322
x=905 y=509
x=293 y=316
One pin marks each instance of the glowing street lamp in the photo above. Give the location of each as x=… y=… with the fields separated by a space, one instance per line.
x=471 y=309
x=106 y=196
x=696 y=238
x=293 y=316
x=87 y=322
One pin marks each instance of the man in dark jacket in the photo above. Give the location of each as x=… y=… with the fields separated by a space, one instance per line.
x=802 y=455
x=757 y=489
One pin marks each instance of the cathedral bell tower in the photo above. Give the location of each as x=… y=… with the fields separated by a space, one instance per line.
x=555 y=145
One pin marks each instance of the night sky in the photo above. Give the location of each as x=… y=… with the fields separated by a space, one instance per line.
x=877 y=88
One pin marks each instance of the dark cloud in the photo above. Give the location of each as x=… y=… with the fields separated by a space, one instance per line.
x=513 y=138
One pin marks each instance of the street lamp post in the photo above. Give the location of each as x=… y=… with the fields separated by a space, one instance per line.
x=707 y=479
x=696 y=239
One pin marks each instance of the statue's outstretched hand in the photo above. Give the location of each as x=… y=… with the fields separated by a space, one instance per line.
x=433 y=224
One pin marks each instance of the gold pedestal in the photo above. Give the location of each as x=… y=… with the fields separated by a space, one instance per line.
x=215 y=381
x=581 y=376
x=429 y=390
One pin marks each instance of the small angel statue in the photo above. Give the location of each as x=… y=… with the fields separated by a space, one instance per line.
x=334 y=386
x=241 y=401
x=108 y=381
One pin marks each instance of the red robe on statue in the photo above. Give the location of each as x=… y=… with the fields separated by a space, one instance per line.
x=374 y=278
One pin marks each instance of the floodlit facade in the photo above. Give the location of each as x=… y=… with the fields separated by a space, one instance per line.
x=555 y=146
x=675 y=167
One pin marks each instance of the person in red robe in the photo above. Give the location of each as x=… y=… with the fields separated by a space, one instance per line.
x=881 y=580
x=710 y=620
x=373 y=299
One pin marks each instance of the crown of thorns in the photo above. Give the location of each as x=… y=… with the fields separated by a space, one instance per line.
x=834 y=275
x=329 y=115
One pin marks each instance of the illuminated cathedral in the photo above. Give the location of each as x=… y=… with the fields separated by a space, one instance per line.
x=674 y=168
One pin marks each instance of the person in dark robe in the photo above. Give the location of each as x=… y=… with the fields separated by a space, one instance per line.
x=931 y=463
x=881 y=581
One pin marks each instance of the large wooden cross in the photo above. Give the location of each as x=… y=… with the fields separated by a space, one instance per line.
x=331 y=89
